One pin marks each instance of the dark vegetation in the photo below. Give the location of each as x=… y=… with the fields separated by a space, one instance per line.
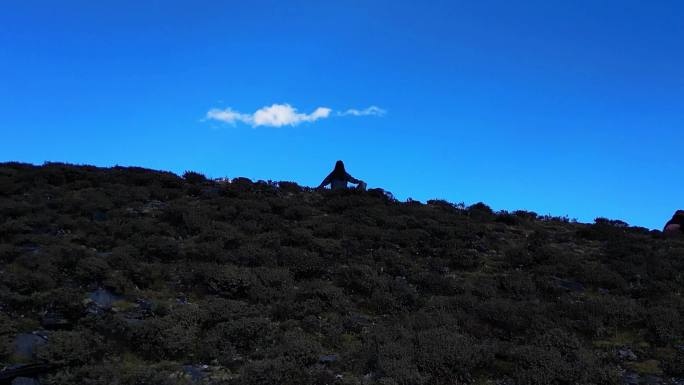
x=134 y=276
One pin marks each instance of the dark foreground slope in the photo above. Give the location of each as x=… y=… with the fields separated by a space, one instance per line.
x=132 y=276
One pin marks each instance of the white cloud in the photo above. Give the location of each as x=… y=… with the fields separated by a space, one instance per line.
x=372 y=110
x=228 y=116
x=278 y=115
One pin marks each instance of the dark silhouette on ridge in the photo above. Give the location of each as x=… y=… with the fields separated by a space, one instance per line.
x=339 y=177
x=676 y=224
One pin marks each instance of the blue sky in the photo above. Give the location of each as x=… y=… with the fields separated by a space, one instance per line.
x=560 y=107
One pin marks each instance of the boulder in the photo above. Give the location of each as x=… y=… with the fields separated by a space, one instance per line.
x=195 y=372
x=25 y=345
x=103 y=298
x=328 y=359
x=630 y=378
x=626 y=354
x=675 y=226
x=650 y=379
x=25 y=381
x=191 y=373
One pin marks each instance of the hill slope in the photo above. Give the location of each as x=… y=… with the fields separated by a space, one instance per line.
x=133 y=276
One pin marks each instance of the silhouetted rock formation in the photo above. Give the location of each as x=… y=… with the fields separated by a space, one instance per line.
x=676 y=224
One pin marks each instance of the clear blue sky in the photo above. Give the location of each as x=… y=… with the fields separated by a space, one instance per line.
x=560 y=107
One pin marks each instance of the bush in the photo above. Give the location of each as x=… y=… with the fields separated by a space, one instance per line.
x=508 y=219
x=289 y=187
x=395 y=360
x=194 y=177
x=610 y=222
x=258 y=280
x=665 y=323
x=72 y=348
x=445 y=355
x=480 y=212
x=528 y=215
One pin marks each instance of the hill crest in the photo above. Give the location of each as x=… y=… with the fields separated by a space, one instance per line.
x=139 y=275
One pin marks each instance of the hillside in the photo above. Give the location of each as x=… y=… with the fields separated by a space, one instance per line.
x=135 y=276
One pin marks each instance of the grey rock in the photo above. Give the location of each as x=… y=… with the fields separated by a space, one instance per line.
x=144 y=304
x=145 y=308
x=626 y=354
x=25 y=381
x=104 y=298
x=25 y=345
x=357 y=322
x=153 y=207
x=31 y=249
x=195 y=372
x=651 y=380
x=133 y=322
x=328 y=359
x=630 y=378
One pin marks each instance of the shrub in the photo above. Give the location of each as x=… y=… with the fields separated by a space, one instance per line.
x=507 y=218
x=665 y=323
x=480 y=212
x=395 y=360
x=528 y=215
x=289 y=187
x=72 y=348
x=445 y=355
x=92 y=269
x=246 y=334
x=298 y=348
x=193 y=177
x=610 y=222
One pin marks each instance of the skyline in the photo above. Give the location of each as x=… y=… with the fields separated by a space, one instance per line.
x=563 y=109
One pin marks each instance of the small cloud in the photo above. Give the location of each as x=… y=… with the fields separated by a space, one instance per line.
x=228 y=116
x=372 y=110
x=278 y=115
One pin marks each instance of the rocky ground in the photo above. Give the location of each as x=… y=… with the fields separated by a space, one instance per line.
x=134 y=276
